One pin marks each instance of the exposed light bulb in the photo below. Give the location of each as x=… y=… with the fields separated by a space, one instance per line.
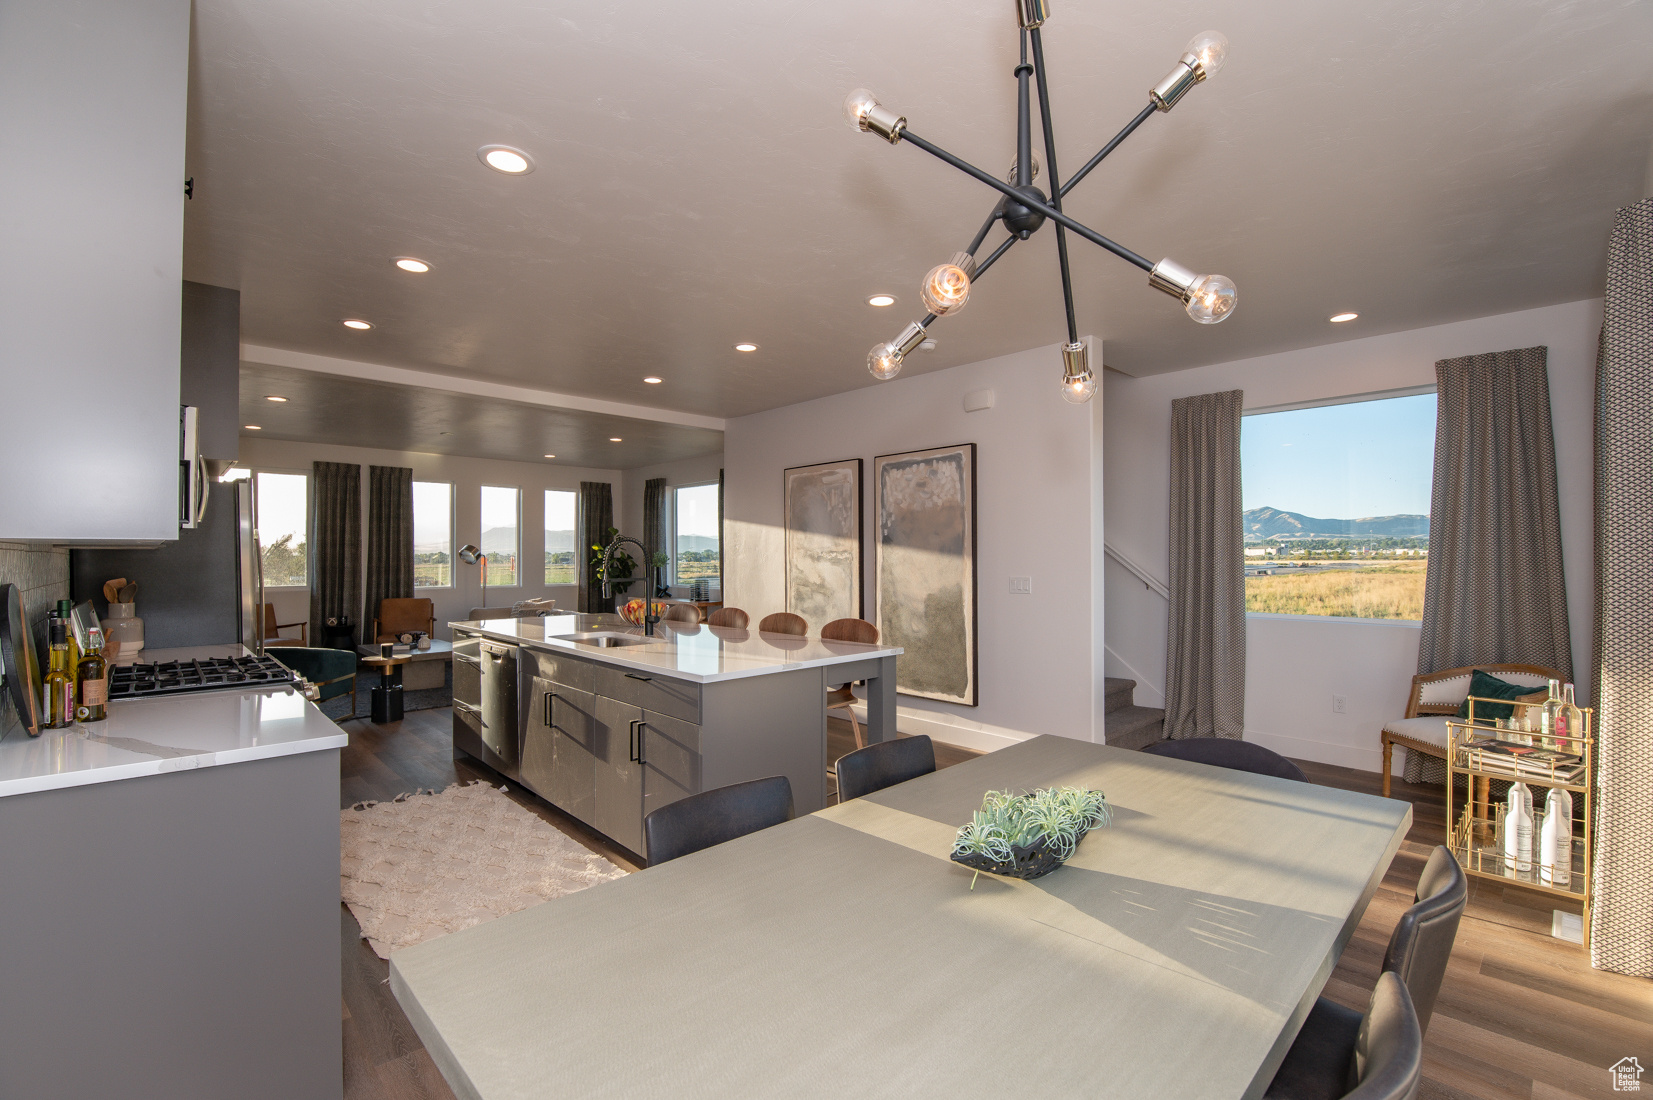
x=857 y=105
x=884 y=361
x=1211 y=299
x=946 y=288
x=1211 y=47
x=863 y=112
x=1010 y=177
x=1078 y=383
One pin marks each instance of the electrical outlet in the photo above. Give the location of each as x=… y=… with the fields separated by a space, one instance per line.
x=1340 y=704
x=1021 y=586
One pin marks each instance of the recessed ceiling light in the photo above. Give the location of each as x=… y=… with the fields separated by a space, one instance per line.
x=354 y=323
x=927 y=345
x=746 y=347
x=1339 y=318
x=408 y=263
x=550 y=456
x=504 y=158
x=881 y=300
x=277 y=400
x=652 y=380
x=253 y=427
x=614 y=439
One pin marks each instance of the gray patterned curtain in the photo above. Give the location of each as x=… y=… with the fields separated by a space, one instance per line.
x=596 y=517
x=335 y=542
x=1621 y=923
x=654 y=515
x=1495 y=592
x=389 y=537
x=720 y=533
x=1205 y=648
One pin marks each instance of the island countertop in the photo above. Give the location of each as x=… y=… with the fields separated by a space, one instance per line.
x=684 y=651
x=168 y=734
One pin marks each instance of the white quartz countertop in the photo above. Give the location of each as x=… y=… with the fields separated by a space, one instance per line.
x=173 y=733
x=683 y=651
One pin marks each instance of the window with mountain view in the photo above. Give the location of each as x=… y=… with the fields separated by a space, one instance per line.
x=1336 y=501
x=432 y=534
x=695 y=542
x=561 y=506
x=501 y=511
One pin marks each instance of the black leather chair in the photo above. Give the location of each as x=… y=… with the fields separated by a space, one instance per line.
x=1387 y=1060
x=714 y=816
x=1418 y=952
x=884 y=764
x=1226 y=752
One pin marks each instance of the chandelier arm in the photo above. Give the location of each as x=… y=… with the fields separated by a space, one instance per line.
x=981 y=234
x=1024 y=124
x=1055 y=179
x=1130 y=127
x=981 y=268
x=1028 y=201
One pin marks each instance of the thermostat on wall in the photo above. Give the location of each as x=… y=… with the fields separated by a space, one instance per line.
x=977 y=400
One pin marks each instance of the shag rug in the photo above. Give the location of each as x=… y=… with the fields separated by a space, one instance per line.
x=338 y=707
x=432 y=863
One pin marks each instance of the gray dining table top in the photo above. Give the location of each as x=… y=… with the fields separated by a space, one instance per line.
x=843 y=955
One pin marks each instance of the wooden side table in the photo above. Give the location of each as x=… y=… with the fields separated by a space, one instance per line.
x=387 y=693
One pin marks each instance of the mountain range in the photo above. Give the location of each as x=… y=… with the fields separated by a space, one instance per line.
x=1266 y=523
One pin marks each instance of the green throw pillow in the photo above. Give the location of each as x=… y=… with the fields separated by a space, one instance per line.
x=1484 y=685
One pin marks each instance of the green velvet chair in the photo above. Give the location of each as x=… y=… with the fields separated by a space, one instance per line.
x=333 y=671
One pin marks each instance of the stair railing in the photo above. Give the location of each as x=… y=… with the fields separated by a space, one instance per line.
x=1141 y=574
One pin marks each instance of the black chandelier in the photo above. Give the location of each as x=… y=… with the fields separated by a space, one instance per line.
x=1024 y=208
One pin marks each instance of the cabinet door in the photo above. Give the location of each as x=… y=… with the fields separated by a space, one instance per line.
x=619 y=786
x=558 y=761
x=670 y=748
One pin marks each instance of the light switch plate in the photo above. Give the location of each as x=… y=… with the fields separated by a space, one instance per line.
x=1021 y=586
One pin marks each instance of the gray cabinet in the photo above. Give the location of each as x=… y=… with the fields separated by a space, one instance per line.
x=559 y=747
x=669 y=749
x=619 y=786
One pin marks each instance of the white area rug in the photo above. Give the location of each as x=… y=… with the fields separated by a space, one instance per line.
x=429 y=864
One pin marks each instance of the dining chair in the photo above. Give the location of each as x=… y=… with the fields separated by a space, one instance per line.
x=1418 y=951
x=272 y=630
x=842 y=697
x=884 y=764
x=715 y=816
x=1227 y=752
x=1385 y=1061
x=682 y=613
x=784 y=622
x=732 y=617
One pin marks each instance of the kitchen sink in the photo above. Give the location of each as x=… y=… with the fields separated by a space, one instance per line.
x=607 y=639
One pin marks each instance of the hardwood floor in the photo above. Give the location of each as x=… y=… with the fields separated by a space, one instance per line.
x=1521 y=1014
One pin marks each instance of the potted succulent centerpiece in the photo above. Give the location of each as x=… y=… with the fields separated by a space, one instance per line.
x=1028 y=835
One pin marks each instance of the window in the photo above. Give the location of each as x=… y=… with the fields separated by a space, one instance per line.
x=695 y=551
x=283 y=524
x=501 y=508
x=561 y=506
x=432 y=534
x=1336 y=502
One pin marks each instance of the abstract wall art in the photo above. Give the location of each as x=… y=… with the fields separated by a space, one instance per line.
x=823 y=542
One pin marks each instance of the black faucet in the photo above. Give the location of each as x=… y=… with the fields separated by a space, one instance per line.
x=650 y=577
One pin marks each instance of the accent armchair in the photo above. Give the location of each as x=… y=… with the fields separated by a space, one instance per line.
x=399 y=616
x=273 y=629
x=332 y=671
x=1434 y=698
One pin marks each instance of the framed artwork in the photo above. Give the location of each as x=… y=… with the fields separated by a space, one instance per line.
x=823 y=542
x=925 y=569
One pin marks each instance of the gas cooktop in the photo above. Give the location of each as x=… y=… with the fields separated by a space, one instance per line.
x=137 y=681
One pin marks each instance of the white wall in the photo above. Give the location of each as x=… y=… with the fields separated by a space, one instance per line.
x=1037 y=491
x=1296 y=664
x=690 y=471
x=467 y=476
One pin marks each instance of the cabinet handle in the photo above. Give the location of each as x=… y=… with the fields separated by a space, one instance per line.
x=634 y=676
x=550 y=695
x=632 y=750
x=460 y=657
x=468 y=708
x=642 y=725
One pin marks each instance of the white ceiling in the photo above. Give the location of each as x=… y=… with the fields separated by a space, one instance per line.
x=1419 y=163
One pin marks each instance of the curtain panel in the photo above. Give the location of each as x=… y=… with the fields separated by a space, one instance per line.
x=1205 y=647
x=720 y=543
x=596 y=517
x=335 y=543
x=654 y=515
x=1621 y=923
x=389 y=537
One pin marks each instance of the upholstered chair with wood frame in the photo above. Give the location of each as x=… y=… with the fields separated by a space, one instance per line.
x=273 y=629
x=1435 y=697
x=402 y=616
x=842 y=697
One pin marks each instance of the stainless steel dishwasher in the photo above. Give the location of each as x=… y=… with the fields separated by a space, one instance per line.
x=485 y=702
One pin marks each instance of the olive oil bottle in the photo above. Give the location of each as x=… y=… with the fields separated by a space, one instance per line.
x=60 y=681
x=92 y=681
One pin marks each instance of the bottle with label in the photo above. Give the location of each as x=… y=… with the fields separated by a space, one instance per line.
x=59 y=684
x=1555 y=848
x=1573 y=720
x=1552 y=716
x=1518 y=831
x=92 y=680
x=66 y=612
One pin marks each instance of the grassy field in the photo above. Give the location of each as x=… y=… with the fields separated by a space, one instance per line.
x=689 y=570
x=1375 y=592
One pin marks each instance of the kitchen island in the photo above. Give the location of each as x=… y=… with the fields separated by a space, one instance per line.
x=609 y=724
x=170 y=900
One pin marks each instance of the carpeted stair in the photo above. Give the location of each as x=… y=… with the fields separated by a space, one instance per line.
x=1128 y=725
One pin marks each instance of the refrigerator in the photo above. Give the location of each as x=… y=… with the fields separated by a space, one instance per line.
x=206 y=588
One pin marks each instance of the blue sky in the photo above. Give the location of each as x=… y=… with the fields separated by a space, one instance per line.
x=1369 y=458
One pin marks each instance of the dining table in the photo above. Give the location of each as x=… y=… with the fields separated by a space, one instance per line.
x=844 y=954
